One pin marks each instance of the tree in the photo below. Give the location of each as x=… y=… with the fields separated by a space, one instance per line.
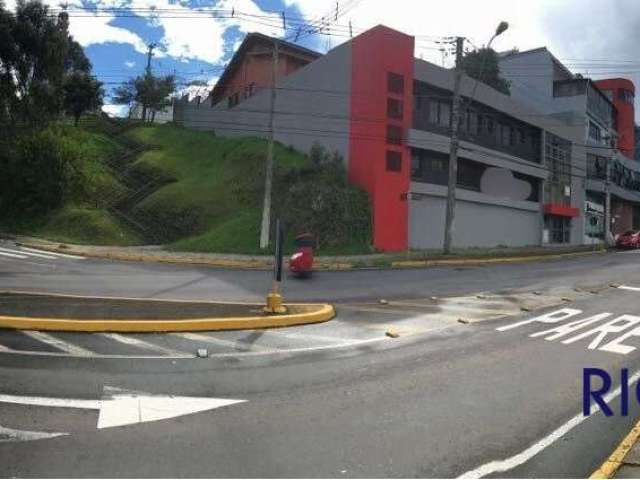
x=153 y=93
x=125 y=95
x=36 y=54
x=82 y=93
x=483 y=65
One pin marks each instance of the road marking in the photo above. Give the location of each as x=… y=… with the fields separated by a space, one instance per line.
x=31 y=254
x=12 y=255
x=118 y=407
x=58 y=343
x=55 y=254
x=632 y=289
x=307 y=336
x=128 y=340
x=239 y=345
x=12 y=435
x=213 y=355
x=499 y=466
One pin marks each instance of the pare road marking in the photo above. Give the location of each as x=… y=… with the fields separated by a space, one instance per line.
x=628 y=326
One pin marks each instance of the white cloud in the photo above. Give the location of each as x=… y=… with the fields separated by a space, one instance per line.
x=130 y=64
x=91 y=30
x=115 y=110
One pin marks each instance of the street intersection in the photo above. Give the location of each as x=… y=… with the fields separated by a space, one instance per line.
x=483 y=376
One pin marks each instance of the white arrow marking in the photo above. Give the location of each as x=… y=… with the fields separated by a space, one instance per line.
x=11 y=435
x=120 y=409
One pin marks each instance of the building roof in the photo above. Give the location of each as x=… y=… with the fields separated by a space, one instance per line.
x=252 y=39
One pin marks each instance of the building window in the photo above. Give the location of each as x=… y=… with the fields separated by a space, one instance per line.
x=440 y=113
x=395 y=83
x=472 y=121
x=233 y=100
x=595 y=133
x=394 y=135
x=506 y=139
x=626 y=95
x=559 y=228
x=394 y=161
x=394 y=108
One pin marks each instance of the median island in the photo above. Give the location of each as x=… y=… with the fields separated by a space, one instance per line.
x=30 y=311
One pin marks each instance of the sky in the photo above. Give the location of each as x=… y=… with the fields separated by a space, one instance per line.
x=594 y=37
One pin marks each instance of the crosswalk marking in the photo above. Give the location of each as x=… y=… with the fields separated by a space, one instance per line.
x=239 y=345
x=30 y=254
x=55 y=254
x=128 y=340
x=58 y=343
x=631 y=289
x=12 y=255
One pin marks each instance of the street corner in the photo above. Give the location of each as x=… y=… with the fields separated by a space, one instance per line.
x=69 y=313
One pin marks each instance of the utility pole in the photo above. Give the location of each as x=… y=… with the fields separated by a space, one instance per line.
x=268 y=178
x=607 y=201
x=453 y=152
x=150 y=49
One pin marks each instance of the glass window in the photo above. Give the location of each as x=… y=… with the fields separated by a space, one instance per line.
x=594 y=132
x=445 y=115
x=472 y=119
x=394 y=161
x=394 y=108
x=394 y=134
x=395 y=83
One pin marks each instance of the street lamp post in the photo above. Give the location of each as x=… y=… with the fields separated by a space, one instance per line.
x=455 y=141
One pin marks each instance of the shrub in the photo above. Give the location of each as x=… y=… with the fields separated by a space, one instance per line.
x=36 y=172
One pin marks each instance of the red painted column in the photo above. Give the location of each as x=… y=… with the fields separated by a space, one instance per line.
x=375 y=54
x=625 y=112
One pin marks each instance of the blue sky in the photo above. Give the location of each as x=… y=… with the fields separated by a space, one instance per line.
x=198 y=47
x=193 y=48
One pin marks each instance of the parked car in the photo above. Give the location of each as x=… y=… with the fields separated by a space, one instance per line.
x=629 y=239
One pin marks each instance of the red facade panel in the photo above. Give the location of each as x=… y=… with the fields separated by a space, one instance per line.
x=561 y=210
x=625 y=111
x=376 y=54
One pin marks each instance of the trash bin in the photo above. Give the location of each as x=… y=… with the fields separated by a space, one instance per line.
x=301 y=262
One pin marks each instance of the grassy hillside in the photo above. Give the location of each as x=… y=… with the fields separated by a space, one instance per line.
x=83 y=218
x=211 y=206
x=187 y=190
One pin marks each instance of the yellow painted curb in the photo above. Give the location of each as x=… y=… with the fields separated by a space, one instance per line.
x=611 y=465
x=481 y=261
x=301 y=314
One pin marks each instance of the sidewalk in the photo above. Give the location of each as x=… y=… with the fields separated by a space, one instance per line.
x=410 y=259
x=624 y=462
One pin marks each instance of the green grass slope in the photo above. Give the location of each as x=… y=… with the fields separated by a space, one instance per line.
x=83 y=218
x=214 y=204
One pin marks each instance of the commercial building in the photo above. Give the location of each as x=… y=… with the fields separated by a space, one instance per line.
x=600 y=116
x=388 y=114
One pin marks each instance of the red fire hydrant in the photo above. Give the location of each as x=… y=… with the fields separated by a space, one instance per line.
x=301 y=262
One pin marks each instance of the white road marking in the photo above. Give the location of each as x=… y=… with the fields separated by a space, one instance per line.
x=55 y=254
x=12 y=435
x=12 y=255
x=128 y=340
x=30 y=254
x=238 y=345
x=58 y=343
x=213 y=355
x=632 y=289
x=499 y=466
x=118 y=408
x=307 y=336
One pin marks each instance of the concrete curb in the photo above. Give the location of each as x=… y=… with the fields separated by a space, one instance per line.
x=258 y=264
x=616 y=460
x=300 y=314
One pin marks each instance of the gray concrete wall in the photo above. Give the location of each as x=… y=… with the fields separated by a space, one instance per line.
x=312 y=105
x=480 y=221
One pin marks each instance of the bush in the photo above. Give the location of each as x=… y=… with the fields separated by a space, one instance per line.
x=319 y=200
x=35 y=174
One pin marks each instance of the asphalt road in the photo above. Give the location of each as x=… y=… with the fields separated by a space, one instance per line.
x=337 y=400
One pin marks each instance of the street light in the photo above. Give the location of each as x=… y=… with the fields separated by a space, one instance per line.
x=453 y=151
